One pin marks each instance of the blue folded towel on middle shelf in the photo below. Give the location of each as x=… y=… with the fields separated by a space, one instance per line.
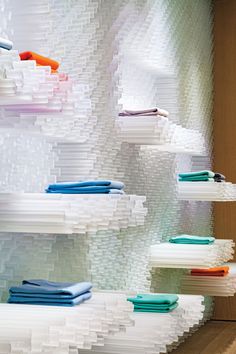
x=43 y=292
x=87 y=187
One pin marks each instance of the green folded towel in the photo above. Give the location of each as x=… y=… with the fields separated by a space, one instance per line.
x=192 y=240
x=154 y=303
x=200 y=174
x=156 y=309
x=196 y=179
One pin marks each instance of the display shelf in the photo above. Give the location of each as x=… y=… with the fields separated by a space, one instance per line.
x=62 y=330
x=160 y=131
x=170 y=255
x=210 y=285
x=155 y=333
x=71 y=213
x=207 y=191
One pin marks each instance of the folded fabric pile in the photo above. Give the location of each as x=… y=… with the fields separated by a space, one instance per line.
x=5 y=43
x=40 y=60
x=43 y=292
x=145 y=112
x=193 y=240
x=201 y=176
x=87 y=187
x=154 y=303
x=211 y=272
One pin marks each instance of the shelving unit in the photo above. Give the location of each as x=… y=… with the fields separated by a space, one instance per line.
x=69 y=213
x=207 y=191
x=210 y=285
x=170 y=255
x=155 y=332
x=161 y=132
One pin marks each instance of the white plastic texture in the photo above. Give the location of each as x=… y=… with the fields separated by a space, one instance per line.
x=58 y=330
x=171 y=255
x=73 y=213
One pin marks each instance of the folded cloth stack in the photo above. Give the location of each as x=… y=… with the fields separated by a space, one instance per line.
x=5 y=44
x=87 y=187
x=211 y=272
x=201 y=176
x=154 y=303
x=145 y=112
x=40 y=60
x=193 y=240
x=43 y=292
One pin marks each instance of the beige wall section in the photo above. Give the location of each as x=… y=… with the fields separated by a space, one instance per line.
x=225 y=128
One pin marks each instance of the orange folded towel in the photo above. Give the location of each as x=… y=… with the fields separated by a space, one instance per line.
x=212 y=272
x=39 y=59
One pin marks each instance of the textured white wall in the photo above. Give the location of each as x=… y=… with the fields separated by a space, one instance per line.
x=131 y=53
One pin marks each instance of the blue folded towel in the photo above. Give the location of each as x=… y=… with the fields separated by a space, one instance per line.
x=87 y=187
x=49 y=301
x=36 y=287
x=5 y=43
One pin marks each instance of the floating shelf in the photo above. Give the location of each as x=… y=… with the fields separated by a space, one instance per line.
x=155 y=333
x=210 y=285
x=69 y=213
x=170 y=255
x=62 y=330
x=207 y=191
x=160 y=131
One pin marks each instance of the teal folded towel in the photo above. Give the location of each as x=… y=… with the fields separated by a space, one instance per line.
x=192 y=240
x=87 y=187
x=197 y=176
x=154 y=303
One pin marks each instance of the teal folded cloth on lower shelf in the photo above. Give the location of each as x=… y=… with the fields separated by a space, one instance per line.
x=154 y=303
x=192 y=239
x=201 y=176
x=44 y=292
x=87 y=187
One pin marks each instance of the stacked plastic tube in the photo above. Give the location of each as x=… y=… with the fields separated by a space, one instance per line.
x=60 y=213
x=160 y=131
x=210 y=285
x=45 y=103
x=55 y=330
x=208 y=191
x=154 y=332
x=170 y=255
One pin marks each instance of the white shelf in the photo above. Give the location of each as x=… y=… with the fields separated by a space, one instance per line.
x=69 y=213
x=62 y=330
x=210 y=285
x=207 y=191
x=171 y=255
x=161 y=132
x=155 y=333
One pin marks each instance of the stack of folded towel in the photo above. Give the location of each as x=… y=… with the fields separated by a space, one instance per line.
x=5 y=44
x=211 y=272
x=154 y=303
x=145 y=112
x=193 y=240
x=87 y=187
x=40 y=60
x=201 y=176
x=43 y=292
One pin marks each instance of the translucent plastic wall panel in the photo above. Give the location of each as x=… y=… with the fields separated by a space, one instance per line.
x=122 y=53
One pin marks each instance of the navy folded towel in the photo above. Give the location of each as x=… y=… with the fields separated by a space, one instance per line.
x=39 y=291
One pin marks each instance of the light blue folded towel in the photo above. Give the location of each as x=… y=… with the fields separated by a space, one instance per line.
x=5 y=44
x=87 y=187
x=192 y=239
x=40 y=300
x=39 y=286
